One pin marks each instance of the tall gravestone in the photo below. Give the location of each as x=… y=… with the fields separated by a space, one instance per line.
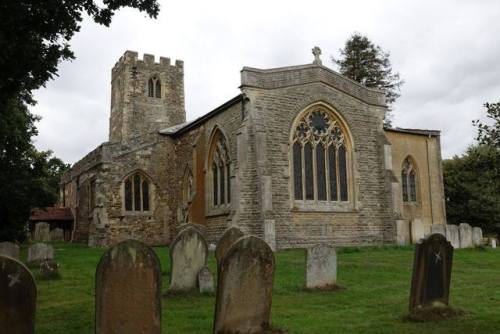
x=17 y=297
x=477 y=236
x=128 y=290
x=226 y=241
x=452 y=235
x=40 y=252
x=417 y=230
x=402 y=232
x=9 y=249
x=57 y=234
x=465 y=235
x=438 y=228
x=42 y=232
x=244 y=292
x=431 y=272
x=321 y=266
x=188 y=254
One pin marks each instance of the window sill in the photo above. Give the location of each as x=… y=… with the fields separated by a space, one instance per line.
x=314 y=206
x=137 y=213
x=219 y=211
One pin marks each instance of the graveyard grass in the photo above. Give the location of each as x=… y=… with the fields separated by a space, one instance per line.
x=375 y=298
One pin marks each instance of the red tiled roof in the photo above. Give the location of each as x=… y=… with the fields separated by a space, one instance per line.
x=51 y=213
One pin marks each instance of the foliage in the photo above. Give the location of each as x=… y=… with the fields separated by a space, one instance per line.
x=490 y=134
x=472 y=188
x=368 y=64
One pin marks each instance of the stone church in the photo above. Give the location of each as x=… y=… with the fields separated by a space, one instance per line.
x=300 y=156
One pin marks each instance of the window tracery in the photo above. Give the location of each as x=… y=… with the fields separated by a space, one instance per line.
x=154 y=87
x=136 y=193
x=220 y=171
x=409 y=181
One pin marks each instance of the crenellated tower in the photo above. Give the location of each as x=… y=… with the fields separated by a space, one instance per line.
x=145 y=96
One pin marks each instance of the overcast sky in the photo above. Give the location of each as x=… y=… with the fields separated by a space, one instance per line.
x=447 y=52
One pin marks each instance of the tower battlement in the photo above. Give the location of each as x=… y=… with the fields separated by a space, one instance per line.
x=132 y=58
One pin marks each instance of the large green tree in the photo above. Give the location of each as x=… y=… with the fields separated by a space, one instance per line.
x=489 y=134
x=34 y=39
x=368 y=64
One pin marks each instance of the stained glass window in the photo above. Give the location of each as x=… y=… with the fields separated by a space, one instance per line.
x=145 y=195
x=215 y=172
x=219 y=155
x=297 y=170
x=158 y=89
x=308 y=165
x=128 y=195
x=409 y=181
x=151 y=88
x=320 y=172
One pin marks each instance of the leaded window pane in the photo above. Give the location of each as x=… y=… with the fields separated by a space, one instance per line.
x=404 y=182
x=158 y=89
x=215 y=184
x=228 y=169
x=151 y=88
x=128 y=195
x=309 y=171
x=332 y=169
x=320 y=172
x=137 y=193
x=413 y=188
x=222 y=185
x=297 y=171
x=343 y=173
x=145 y=195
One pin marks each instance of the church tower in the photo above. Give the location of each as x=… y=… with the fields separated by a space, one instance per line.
x=145 y=96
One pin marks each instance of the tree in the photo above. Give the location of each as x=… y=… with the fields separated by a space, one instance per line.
x=489 y=134
x=368 y=64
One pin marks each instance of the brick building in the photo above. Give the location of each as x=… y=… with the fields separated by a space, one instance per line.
x=300 y=156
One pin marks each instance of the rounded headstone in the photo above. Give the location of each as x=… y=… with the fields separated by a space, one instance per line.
x=452 y=235
x=465 y=235
x=226 y=241
x=321 y=266
x=206 y=280
x=42 y=232
x=17 y=297
x=9 y=249
x=477 y=236
x=40 y=252
x=128 y=290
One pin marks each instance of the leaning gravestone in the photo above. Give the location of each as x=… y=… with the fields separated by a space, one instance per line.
x=9 y=249
x=465 y=235
x=244 y=293
x=40 y=252
x=57 y=234
x=321 y=266
x=438 y=228
x=42 y=232
x=477 y=236
x=431 y=272
x=205 y=280
x=226 y=241
x=452 y=235
x=188 y=254
x=17 y=297
x=128 y=290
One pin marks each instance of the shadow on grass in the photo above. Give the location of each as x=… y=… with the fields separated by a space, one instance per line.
x=434 y=314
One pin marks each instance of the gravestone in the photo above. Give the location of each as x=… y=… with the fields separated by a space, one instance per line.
x=493 y=243
x=188 y=254
x=128 y=290
x=477 y=236
x=321 y=266
x=244 y=292
x=452 y=235
x=431 y=272
x=465 y=235
x=9 y=249
x=402 y=232
x=17 y=297
x=49 y=269
x=417 y=230
x=226 y=241
x=205 y=280
x=57 y=234
x=42 y=232
x=438 y=228
x=40 y=252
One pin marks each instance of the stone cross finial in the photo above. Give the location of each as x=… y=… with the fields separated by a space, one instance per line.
x=316 y=51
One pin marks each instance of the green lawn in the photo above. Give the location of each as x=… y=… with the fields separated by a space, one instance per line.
x=376 y=281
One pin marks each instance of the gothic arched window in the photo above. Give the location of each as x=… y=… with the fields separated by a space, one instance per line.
x=409 y=181
x=154 y=87
x=319 y=158
x=219 y=167
x=137 y=193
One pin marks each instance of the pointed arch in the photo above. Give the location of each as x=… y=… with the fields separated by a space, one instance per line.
x=409 y=180
x=218 y=167
x=154 y=87
x=137 y=191
x=151 y=88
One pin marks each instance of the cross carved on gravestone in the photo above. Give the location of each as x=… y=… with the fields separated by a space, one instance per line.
x=316 y=51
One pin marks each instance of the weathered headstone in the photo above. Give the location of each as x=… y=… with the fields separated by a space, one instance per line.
x=493 y=243
x=40 y=252
x=465 y=235
x=402 y=232
x=42 y=232
x=321 y=266
x=431 y=271
x=438 y=228
x=477 y=236
x=417 y=230
x=128 y=290
x=17 y=297
x=244 y=293
x=270 y=233
x=57 y=234
x=226 y=241
x=205 y=280
x=9 y=249
x=452 y=235
x=188 y=254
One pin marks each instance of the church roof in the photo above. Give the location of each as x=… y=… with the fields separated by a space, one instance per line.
x=421 y=132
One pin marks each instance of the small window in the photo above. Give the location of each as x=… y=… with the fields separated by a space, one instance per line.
x=154 y=87
x=137 y=193
x=409 y=181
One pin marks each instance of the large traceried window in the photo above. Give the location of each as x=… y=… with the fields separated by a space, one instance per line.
x=137 y=193
x=319 y=158
x=409 y=181
x=219 y=167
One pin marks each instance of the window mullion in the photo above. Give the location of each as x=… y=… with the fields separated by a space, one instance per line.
x=303 y=163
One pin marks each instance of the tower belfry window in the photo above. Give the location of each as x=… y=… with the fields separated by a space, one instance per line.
x=154 y=87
